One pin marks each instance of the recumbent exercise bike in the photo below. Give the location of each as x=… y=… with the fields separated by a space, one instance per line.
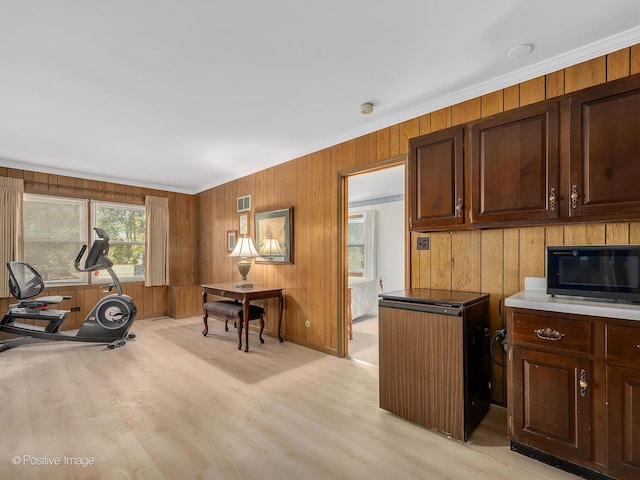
x=108 y=322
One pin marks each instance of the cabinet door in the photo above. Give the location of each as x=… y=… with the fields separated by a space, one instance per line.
x=550 y=411
x=623 y=398
x=605 y=150
x=514 y=165
x=436 y=193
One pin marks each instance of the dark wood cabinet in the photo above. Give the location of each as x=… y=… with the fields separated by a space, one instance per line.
x=549 y=360
x=623 y=392
x=605 y=151
x=574 y=158
x=574 y=391
x=436 y=180
x=551 y=415
x=623 y=398
x=514 y=165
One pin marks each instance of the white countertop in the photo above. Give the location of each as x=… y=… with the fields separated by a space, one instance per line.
x=534 y=296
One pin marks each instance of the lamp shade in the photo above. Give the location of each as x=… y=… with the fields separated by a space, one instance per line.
x=270 y=247
x=245 y=249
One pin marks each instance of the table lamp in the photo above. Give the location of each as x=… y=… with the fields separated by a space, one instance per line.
x=270 y=247
x=245 y=250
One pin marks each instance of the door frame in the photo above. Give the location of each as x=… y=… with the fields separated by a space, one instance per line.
x=343 y=217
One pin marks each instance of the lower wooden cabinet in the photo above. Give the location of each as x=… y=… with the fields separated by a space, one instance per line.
x=623 y=397
x=573 y=394
x=553 y=413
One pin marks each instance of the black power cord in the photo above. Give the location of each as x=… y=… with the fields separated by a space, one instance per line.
x=499 y=336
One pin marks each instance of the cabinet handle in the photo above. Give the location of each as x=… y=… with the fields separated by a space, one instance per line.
x=459 y=208
x=549 y=334
x=584 y=383
x=574 y=196
x=552 y=198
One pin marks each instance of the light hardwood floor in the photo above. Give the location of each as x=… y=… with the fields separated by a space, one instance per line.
x=175 y=405
x=364 y=345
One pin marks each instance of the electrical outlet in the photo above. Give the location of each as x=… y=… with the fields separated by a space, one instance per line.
x=423 y=243
x=307 y=323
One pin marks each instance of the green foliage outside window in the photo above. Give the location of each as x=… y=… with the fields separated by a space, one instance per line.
x=126 y=227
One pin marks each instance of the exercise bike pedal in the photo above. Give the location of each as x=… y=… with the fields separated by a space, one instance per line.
x=116 y=343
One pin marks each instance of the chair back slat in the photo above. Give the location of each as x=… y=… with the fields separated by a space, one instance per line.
x=24 y=280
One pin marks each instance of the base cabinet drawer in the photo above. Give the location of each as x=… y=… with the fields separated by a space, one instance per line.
x=623 y=343
x=550 y=331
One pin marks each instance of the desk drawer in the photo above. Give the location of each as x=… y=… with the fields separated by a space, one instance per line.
x=623 y=343
x=552 y=332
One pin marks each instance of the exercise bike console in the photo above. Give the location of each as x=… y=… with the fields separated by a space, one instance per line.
x=108 y=322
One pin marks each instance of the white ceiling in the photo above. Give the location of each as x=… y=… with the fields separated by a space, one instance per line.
x=185 y=95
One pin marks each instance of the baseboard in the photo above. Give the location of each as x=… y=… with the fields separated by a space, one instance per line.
x=559 y=463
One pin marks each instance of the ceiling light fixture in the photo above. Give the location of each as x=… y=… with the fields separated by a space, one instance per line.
x=520 y=51
x=366 y=108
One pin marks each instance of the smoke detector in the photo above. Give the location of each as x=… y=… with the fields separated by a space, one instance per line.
x=366 y=108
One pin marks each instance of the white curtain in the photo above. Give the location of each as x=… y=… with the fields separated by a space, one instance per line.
x=157 y=241
x=11 y=233
x=370 y=250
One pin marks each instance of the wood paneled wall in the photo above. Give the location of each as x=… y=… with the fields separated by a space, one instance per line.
x=150 y=301
x=494 y=261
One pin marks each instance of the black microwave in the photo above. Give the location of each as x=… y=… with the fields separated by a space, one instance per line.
x=610 y=271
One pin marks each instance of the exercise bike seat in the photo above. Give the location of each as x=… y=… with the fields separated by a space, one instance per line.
x=25 y=283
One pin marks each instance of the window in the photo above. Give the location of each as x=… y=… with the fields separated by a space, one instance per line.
x=355 y=245
x=55 y=229
x=361 y=244
x=126 y=226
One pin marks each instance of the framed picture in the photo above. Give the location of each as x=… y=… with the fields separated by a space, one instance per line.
x=232 y=238
x=274 y=236
x=244 y=224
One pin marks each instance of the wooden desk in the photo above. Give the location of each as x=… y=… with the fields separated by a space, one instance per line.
x=246 y=295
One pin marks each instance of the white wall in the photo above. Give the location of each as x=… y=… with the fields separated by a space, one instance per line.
x=390 y=242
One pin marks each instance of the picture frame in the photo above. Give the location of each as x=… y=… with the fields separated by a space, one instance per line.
x=232 y=239
x=274 y=235
x=243 y=221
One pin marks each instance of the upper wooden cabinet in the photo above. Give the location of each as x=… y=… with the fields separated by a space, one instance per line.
x=436 y=189
x=514 y=165
x=573 y=158
x=605 y=150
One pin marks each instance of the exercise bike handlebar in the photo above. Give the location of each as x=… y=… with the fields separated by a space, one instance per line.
x=99 y=263
x=97 y=258
x=76 y=263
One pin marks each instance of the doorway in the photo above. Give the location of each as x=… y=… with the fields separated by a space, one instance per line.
x=375 y=252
